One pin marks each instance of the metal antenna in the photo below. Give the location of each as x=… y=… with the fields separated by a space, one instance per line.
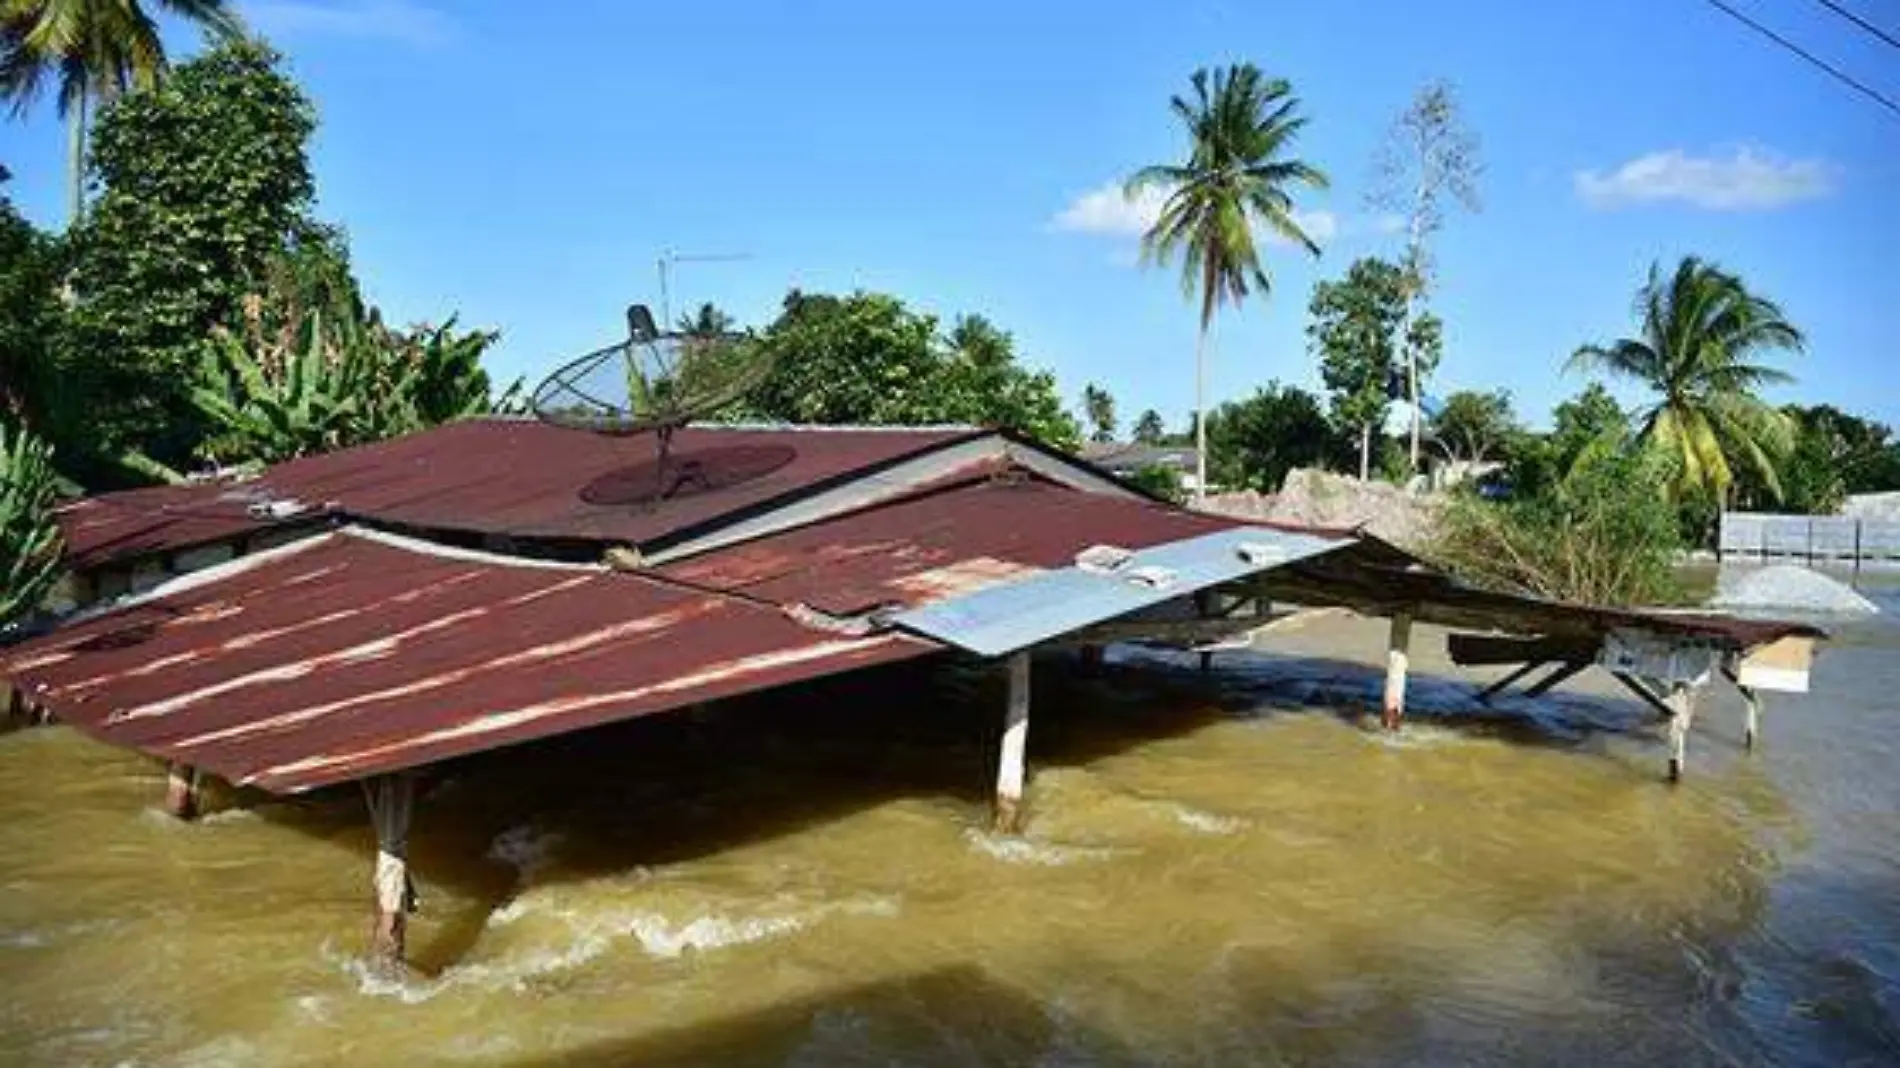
x=669 y=258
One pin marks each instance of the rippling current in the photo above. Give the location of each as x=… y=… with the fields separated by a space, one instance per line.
x=1223 y=869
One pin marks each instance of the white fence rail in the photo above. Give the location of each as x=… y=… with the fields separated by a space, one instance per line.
x=1808 y=537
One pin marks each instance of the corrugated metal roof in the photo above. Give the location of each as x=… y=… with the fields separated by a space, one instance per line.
x=507 y=476
x=347 y=655
x=926 y=547
x=1029 y=610
x=1380 y=578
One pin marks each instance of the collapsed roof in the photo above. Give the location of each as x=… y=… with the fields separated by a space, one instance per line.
x=384 y=639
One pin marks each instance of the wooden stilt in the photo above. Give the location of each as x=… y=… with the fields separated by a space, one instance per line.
x=1751 y=726
x=1398 y=653
x=1009 y=771
x=391 y=801
x=181 y=791
x=1681 y=702
x=1207 y=662
x=16 y=706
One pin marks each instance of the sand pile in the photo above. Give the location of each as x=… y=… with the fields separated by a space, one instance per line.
x=1322 y=499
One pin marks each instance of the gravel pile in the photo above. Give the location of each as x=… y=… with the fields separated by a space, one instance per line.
x=1785 y=588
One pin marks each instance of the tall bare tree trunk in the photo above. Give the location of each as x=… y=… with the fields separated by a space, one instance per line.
x=1200 y=416
x=76 y=158
x=1365 y=451
x=1414 y=286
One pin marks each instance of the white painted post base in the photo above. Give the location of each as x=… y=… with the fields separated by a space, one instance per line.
x=391 y=802
x=1681 y=702
x=1009 y=771
x=1398 y=654
x=181 y=791
x=1751 y=726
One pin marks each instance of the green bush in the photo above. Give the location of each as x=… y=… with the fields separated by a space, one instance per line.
x=1162 y=481
x=1605 y=533
x=29 y=539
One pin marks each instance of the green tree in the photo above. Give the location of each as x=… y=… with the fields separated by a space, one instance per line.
x=1256 y=441
x=1835 y=454
x=1703 y=336
x=1430 y=154
x=1098 y=409
x=866 y=358
x=206 y=185
x=1588 y=418
x=29 y=538
x=1240 y=126
x=1473 y=427
x=708 y=321
x=1149 y=429
x=93 y=50
x=1358 y=331
x=32 y=264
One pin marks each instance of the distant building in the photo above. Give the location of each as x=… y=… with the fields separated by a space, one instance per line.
x=1123 y=459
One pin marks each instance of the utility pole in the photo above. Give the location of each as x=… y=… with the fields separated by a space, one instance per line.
x=669 y=259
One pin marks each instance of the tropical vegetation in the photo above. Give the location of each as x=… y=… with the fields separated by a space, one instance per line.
x=29 y=539
x=92 y=51
x=1704 y=337
x=867 y=358
x=1241 y=125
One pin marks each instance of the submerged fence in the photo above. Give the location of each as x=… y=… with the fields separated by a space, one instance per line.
x=1808 y=537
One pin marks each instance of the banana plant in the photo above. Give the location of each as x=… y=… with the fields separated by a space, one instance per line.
x=30 y=543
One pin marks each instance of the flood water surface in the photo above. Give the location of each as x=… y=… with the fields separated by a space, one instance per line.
x=1230 y=869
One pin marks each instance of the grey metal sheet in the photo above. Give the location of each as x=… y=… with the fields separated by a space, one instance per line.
x=1016 y=615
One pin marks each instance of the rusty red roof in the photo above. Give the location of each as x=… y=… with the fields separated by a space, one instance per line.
x=923 y=548
x=350 y=654
x=510 y=477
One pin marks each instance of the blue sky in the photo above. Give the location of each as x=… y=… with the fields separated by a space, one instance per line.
x=526 y=170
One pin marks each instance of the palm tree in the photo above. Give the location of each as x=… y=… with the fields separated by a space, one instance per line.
x=1702 y=337
x=94 y=50
x=1240 y=124
x=1098 y=407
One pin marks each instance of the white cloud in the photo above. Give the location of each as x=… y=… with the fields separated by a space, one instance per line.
x=400 y=21
x=1105 y=210
x=1750 y=179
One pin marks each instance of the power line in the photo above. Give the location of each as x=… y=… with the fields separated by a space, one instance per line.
x=1861 y=22
x=1838 y=74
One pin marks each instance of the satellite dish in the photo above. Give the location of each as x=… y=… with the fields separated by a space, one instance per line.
x=653 y=384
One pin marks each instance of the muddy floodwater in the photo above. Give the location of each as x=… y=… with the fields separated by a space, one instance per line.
x=1224 y=869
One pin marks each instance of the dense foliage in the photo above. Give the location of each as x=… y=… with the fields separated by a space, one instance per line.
x=1358 y=330
x=866 y=358
x=31 y=267
x=1256 y=441
x=205 y=182
x=1474 y=427
x=29 y=540
x=1605 y=533
x=329 y=382
x=1162 y=480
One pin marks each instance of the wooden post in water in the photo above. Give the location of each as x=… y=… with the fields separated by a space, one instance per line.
x=1751 y=726
x=1681 y=702
x=1398 y=651
x=391 y=801
x=1009 y=771
x=181 y=791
